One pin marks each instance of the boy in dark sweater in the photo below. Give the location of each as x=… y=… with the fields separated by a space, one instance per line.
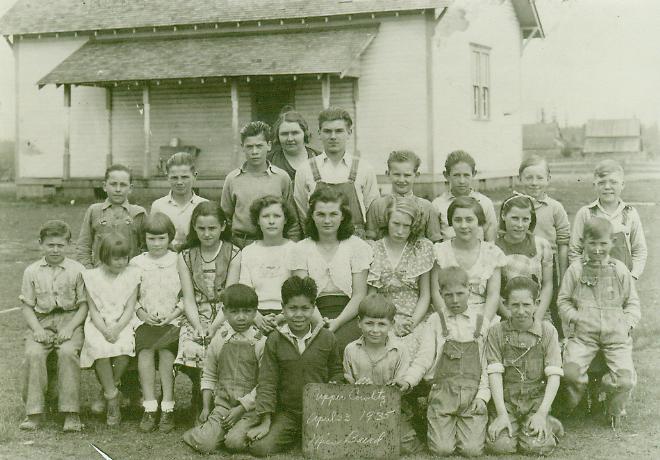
x=298 y=353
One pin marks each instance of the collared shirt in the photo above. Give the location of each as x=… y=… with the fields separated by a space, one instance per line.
x=377 y=224
x=227 y=334
x=551 y=221
x=49 y=287
x=632 y=229
x=549 y=344
x=384 y=369
x=301 y=342
x=366 y=184
x=179 y=214
x=442 y=203
x=103 y=218
x=242 y=187
x=265 y=268
x=160 y=286
x=461 y=328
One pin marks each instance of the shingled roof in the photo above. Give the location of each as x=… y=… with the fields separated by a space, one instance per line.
x=102 y=61
x=49 y=16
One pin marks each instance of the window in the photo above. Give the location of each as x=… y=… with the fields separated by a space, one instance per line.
x=480 y=82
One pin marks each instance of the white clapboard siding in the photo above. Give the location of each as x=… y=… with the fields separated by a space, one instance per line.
x=309 y=102
x=128 y=128
x=89 y=132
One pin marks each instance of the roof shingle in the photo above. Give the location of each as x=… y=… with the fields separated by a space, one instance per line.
x=102 y=61
x=48 y=16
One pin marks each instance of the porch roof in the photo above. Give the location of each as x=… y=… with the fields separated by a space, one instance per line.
x=100 y=62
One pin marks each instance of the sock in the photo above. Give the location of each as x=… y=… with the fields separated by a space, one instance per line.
x=150 y=406
x=167 y=406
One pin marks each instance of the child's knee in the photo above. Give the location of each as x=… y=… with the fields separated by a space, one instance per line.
x=196 y=439
x=472 y=448
x=503 y=445
x=623 y=380
x=263 y=447
x=574 y=375
x=35 y=352
x=68 y=350
x=533 y=446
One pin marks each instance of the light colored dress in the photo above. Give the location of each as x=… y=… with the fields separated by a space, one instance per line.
x=160 y=285
x=110 y=295
x=490 y=258
x=265 y=268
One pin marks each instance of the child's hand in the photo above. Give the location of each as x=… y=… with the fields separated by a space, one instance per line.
x=113 y=333
x=203 y=415
x=151 y=319
x=404 y=327
x=265 y=323
x=257 y=432
x=64 y=334
x=498 y=425
x=234 y=415
x=478 y=406
x=401 y=384
x=538 y=425
x=42 y=336
x=331 y=324
x=364 y=381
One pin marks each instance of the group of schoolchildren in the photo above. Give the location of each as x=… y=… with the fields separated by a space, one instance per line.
x=446 y=302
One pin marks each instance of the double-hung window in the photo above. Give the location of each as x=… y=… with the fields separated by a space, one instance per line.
x=480 y=57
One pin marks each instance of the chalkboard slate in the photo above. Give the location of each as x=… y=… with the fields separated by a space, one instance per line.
x=351 y=421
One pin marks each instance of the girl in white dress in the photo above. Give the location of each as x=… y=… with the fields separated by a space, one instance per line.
x=158 y=314
x=109 y=341
x=265 y=263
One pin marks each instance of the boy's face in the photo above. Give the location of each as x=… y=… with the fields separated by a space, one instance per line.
x=609 y=187
x=298 y=313
x=334 y=134
x=455 y=297
x=240 y=319
x=522 y=307
x=53 y=248
x=598 y=249
x=291 y=136
x=460 y=179
x=375 y=330
x=118 y=186
x=157 y=244
x=403 y=176
x=181 y=178
x=117 y=264
x=256 y=148
x=534 y=180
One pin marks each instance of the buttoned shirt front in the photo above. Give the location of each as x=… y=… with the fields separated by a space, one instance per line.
x=49 y=287
x=388 y=366
x=301 y=342
x=442 y=203
x=366 y=184
x=179 y=214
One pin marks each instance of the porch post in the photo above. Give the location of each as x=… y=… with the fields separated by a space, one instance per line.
x=234 y=121
x=66 y=167
x=146 y=166
x=325 y=91
x=108 y=121
x=356 y=118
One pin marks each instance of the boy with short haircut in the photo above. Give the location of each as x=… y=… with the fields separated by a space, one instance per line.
x=599 y=306
x=54 y=307
x=629 y=244
x=179 y=203
x=255 y=179
x=524 y=368
x=380 y=358
x=460 y=170
x=231 y=367
x=454 y=349
x=298 y=353
x=114 y=215
x=403 y=171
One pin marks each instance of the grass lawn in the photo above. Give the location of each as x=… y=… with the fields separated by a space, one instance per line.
x=586 y=438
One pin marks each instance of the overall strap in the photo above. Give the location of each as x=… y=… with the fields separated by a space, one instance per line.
x=316 y=174
x=593 y=211
x=624 y=215
x=354 y=169
x=443 y=324
x=477 y=329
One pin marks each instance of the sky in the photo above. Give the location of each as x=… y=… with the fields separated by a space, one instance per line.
x=599 y=60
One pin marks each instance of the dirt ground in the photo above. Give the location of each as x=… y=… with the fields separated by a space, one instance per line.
x=585 y=438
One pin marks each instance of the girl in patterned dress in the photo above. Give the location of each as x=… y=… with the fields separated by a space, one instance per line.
x=482 y=260
x=158 y=313
x=109 y=341
x=208 y=262
x=402 y=265
x=526 y=254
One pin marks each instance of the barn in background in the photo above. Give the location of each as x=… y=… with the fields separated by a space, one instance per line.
x=101 y=82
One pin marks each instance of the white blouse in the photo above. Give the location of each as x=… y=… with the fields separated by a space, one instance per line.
x=352 y=256
x=265 y=268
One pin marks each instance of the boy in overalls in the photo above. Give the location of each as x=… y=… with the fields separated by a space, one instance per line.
x=524 y=368
x=459 y=393
x=230 y=375
x=337 y=169
x=599 y=305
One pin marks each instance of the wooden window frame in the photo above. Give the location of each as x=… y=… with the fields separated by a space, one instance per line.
x=481 y=88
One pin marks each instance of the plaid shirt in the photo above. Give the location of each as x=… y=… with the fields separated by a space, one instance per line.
x=523 y=265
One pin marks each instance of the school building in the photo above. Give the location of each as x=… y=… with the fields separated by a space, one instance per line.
x=102 y=81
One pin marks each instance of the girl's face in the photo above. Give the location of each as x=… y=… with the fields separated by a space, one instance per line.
x=117 y=264
x=399 y=226
x=208 y=230
x=291 y=136
x=327 y=217
x=271 y=220
x=465 y=223
x=516 y=222
x=157 y=244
